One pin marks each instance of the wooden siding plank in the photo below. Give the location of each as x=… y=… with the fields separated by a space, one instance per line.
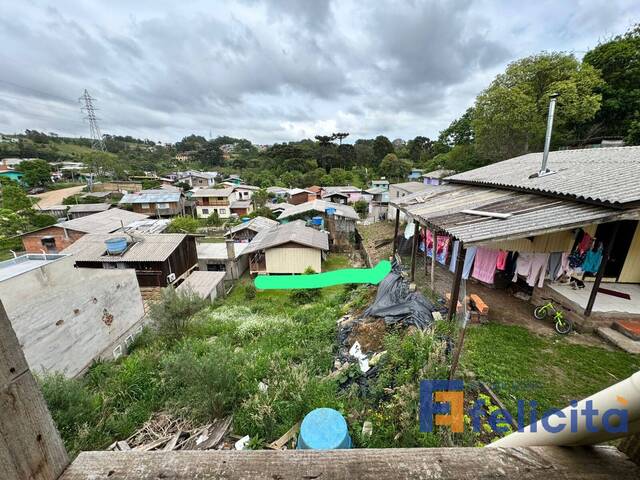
x=631 y=269
x=549 y=463
x=30 y=446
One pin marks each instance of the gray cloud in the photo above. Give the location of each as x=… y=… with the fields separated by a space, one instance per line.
x=273 y=70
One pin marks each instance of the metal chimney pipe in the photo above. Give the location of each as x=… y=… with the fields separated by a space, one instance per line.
x=547 y=137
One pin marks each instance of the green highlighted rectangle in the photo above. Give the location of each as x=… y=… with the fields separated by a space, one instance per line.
x=371 y=276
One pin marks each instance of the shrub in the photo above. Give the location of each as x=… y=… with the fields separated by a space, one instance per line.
x=183 y=224
x=362 y=207
x=250 y=292
x=213 y=220
x=305 y=295
x=174 y=312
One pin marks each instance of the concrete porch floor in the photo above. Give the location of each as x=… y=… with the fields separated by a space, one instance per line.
x=604 y=303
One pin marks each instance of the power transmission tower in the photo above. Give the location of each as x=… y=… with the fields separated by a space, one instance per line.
x=90 y=114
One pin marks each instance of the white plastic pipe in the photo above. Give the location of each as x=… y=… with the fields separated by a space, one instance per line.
x=624 y=395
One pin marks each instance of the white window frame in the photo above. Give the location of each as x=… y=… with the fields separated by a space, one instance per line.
x=144 y=205
x=117 y=352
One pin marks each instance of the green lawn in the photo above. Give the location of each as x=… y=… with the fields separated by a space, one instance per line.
x=522 y=365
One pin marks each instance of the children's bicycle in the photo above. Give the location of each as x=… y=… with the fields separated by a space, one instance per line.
x=562 y=324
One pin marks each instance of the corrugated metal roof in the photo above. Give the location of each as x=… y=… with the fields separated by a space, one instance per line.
x=147 y=248
x=409 y=187
x=296 y=191
x=342 y=189
x=293 y=232
x=202 y=283
x=277 y=190
x=103 y=222
x=89 y=207
x=240 y=204
x=278 y=206
x=147 y=226
x=151 y=196
x=213 y=192
x=218 y=251
x=256 y=224
x=604 y=175
x=530 y=214
x=319 y=206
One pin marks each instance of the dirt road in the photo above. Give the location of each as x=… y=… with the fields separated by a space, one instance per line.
x=55 y=197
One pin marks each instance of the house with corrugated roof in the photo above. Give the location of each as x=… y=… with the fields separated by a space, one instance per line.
x=158 y=203
x=287 y=248
x=210 y=200
x=55 y=238
x=573 y=223
x=247 y=230
x=159 y=260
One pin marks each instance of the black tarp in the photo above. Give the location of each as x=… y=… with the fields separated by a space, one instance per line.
x=395 y=303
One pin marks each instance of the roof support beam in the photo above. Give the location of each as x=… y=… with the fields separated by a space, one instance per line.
x=395 y=232
x=600 y=274
x=414 y=250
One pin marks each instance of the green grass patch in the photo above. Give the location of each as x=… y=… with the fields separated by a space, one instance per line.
x=519 y=364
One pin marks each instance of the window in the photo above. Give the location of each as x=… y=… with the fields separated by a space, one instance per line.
x=216 y=267
x=222 y=211
x=163 y=205
x=117 y=352
x=145 y=206
x=49 y=243
x=205 y=211
x=129 y=340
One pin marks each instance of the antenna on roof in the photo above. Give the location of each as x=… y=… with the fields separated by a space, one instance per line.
x=547 y=138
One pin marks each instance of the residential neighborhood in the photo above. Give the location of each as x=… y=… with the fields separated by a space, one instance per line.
x=322 y=240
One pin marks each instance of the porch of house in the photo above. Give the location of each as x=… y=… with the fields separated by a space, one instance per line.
x=606 y=308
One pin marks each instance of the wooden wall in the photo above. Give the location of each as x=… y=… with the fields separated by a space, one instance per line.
x=631 y=270
x=293 y=259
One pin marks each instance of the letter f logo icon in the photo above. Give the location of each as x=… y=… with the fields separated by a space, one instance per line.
x=443 y=401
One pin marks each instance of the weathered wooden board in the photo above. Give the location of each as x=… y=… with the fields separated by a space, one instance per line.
x=30 y=446
x=548 y=463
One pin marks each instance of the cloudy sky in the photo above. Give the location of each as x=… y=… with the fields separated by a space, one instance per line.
x=274 y=70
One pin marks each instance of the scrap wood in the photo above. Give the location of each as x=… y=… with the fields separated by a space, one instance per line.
x=216 y=431
x=152 y=445
x=284 y=439
x=480 y=305
x=495 y=399
x=123 y=446
x=171 y=444
x=382 y=243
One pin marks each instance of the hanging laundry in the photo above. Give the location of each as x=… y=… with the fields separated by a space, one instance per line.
x=576 y=259
x=585 y=243
x=523 y=265
x=442 y=249
x=564 y=269
x=409 y=230
x=468 y=262
x=484 y=267
x=592 y=260
x=555 y=260
x=512 y=261
x=501 y=262
x=538 y=269
x=454 y=255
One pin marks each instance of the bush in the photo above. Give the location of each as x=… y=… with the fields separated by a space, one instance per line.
x=305 y=295
x=250 y=292
x=174 y=312
x=183 y=224
x=362 y=207
x=213 y=220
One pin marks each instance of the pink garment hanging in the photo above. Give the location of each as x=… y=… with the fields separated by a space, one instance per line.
x=538 y=269
x=564 y=266
x=442 y=249
x=484 y=267
x=501 y=262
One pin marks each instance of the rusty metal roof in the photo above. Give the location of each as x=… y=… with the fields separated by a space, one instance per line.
x=527 y=214
x=609 y=176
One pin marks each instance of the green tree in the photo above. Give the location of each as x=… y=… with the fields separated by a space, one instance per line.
x=619 y=62
x=36 y=172
x=209 y=155
x=190 y=143
x=362 y=207
x=260 y=197
x=14 y=198
x=633 y=134
x=394 y=168
x=382 y=146
x=460 y=131
x=510 y=116
x=173 y=314
x=183 y=224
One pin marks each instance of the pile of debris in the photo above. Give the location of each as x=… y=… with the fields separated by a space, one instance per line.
x=163 y=432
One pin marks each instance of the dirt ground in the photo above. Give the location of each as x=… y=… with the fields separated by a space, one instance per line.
x=55 y=197
x=503 y=307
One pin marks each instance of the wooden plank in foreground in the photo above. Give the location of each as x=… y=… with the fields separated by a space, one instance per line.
x=548 y=463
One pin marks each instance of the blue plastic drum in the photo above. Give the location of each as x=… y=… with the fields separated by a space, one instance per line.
x=324 y=429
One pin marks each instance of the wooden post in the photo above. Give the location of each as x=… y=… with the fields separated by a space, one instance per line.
x=433 y=260
x=426 y=257
x=457 y=278
x=30 y=446
x=456 y=354
x=395 y=232
x=414 y=250
x=600 y=274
